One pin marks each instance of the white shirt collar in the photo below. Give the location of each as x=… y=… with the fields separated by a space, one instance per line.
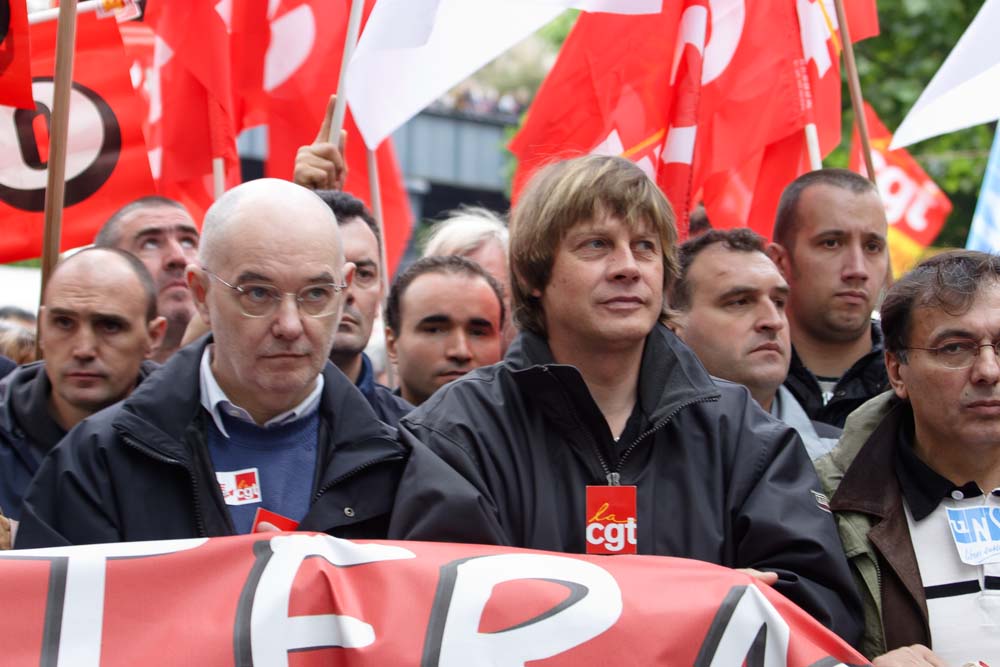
x=214 y=399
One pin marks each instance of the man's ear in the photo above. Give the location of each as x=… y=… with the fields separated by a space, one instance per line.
x=390 y=344
x=197 y=281
x=156 y=330
x=349 y=268
x=895 y=368
x=779 y=255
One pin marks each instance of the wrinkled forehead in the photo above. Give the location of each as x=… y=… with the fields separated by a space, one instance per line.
x=718 y=269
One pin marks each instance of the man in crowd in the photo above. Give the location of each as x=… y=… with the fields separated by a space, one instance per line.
x=161 y=233
x=730 y=301
x=915 y=481
x=830 y=244
x=481 y=235
x=363 y=248
x=443 y=318
x=98 y=327
x=254 y=417
x=596 y=400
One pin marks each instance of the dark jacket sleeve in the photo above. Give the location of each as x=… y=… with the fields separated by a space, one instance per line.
x=438 y=499
x=69 y=500
x=782 y=523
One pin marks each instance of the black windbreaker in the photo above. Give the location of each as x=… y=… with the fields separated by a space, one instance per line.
x=717 y=479
x=140 y=470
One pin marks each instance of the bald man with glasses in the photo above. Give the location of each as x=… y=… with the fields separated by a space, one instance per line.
x=915 y=480
x=251 y=418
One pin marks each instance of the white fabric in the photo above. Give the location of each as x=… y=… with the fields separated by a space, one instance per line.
x=966 y=90
x=214 y=399
x=413 y=51
x=964 y=628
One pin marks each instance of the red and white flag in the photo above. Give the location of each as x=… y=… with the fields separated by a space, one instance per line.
x=307 y=42
x=915 y=206
x=106 y=162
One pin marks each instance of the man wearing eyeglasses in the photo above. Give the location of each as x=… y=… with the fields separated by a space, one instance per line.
x=252 y=418
x=915 y=480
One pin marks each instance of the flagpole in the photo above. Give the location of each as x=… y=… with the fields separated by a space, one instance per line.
x=812 y=144
x=350 y=42
x=375 y=192
x=82 y=7
x=55 y=189
x=854 y=85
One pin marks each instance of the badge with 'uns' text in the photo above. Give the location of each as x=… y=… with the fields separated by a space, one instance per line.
x=611 y=520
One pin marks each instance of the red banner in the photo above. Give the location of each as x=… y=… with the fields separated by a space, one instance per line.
x=301 y=599
x=915 y=206
x=106 y=163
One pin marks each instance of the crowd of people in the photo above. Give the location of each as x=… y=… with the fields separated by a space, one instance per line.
x=765 y=416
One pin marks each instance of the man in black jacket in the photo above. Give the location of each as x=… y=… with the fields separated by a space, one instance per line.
x=98 y=329
x=601 y=432
x=830 y=244
x=254 y=418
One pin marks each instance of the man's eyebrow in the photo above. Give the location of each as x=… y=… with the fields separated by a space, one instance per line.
x=366 y=263
x=436 y=318
x=954 y=333
x=738 y=290
x=480 y=322
x=156 y=231
x=248 y=276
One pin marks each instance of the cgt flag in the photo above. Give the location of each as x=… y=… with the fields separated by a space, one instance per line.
x=915 y=206
x=106 y=164
x=15 y=56
x=274 y=600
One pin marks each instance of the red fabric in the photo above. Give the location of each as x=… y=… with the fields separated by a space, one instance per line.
x=297 y=97
x=310 y=600
x=15 y=59
x=742 y=91
x=914 y=204
x=98 y=181
x=196 y=94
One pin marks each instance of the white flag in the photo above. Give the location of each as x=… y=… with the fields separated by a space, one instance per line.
x=413 y=51
x=966 y=90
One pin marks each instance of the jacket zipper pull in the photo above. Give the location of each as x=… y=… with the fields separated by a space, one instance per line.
x=614 y=479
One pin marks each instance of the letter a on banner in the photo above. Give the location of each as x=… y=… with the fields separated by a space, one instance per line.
x=106 y=162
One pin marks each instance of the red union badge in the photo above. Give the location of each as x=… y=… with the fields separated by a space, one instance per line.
x=240 y=487
x=611 y=520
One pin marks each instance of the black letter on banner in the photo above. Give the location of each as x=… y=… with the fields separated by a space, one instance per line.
x=88 y=181
x=242 y=635
x=721 y=627
x=54 y=603
x=442 y=604
x=24 y=126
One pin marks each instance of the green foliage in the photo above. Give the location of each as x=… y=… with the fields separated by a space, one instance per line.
x=895 y=67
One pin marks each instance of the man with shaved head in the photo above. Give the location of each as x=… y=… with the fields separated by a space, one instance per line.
x=98 y=326
x=162 y=234
x=252 y=418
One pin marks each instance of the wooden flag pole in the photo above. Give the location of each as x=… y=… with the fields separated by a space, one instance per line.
x=812 y=144
x=55 y=189
x=854 y=85
x=350 y=42
x=375 y=190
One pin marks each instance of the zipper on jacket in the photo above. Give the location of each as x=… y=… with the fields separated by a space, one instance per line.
x=199 y=519
x=368 y=464
x=657 y=427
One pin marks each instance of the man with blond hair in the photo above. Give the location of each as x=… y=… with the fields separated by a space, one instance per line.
x=600 y=422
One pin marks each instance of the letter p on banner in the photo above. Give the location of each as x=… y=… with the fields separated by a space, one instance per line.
x=106 y=162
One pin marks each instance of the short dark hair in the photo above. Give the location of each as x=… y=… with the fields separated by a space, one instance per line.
x=698 y=222
x=741 y=239
x=109 y=236
x=436 y=264
x=138 y=268
x=346 y=206
x=787 y=216
x=15 y=313
x=949 y=281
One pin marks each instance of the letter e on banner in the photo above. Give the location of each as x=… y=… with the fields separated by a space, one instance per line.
x=106 y=162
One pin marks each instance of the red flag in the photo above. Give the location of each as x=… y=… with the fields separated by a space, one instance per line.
x=749 y=196
x=15 y=56
x=106 y=164
x=307 y=41
x=686 y=94
x=195 y=98
x=915 y=206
